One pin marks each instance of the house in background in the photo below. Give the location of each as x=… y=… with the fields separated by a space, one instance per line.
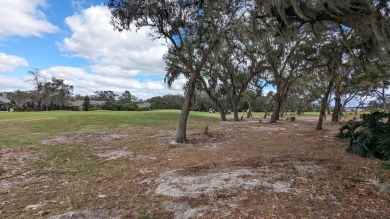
x=92 y=103
x=144 y=106
x=4 y=101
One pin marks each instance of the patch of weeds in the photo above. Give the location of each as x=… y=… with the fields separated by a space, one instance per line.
x=79 y=203
x=146 y=215
x=37 y=165
x=297 y=198
x=110 y=206
x=386 y=165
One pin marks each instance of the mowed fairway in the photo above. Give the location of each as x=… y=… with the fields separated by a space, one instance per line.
x=106 y=164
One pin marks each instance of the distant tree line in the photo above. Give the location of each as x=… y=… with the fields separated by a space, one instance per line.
x=47 y=95
x=56 y=95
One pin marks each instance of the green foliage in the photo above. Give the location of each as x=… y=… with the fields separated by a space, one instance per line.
x=386 y=165
x=369 y=137
x=86 y=103
x=145 y=215
x=166 y=102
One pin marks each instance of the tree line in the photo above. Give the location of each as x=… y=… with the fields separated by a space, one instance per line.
x=313 y=50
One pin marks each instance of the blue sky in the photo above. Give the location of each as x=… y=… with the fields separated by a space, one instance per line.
x=73 y=40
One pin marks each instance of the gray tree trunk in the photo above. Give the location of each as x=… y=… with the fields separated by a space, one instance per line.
x=324 y=103
x=222 y=113
x=181 y=133
x=337 y=107
x=235 y=111
x=249 y=113
x=275 y=114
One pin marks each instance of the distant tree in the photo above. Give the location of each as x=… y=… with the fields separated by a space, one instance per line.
x=255 y=91
x=166 y=102
x=374 y=105
x=156 y=102
x=127 y=97
x=78 y=97
x=21 y=100
x=105 y=96
x=203 y=102
x=86 y=103
x=38 y=80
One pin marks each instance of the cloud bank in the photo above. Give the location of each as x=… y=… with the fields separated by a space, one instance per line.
x=24 y=18
x=9 y=63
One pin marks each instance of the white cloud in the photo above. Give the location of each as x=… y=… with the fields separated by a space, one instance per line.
x=112 y=52
x=24 y=18
x=116 y=58
x=84 y=82
x=179 y=83
x=112 y=70
x=12 y=84
x=9 y=63
x=118 y=61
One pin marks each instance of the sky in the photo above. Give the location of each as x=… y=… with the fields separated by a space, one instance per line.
x=73 y=40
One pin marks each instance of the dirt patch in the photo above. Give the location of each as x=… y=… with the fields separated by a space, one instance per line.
x=13 y=159
x=88 y=139
x=184 y=210
x=198 y=183
x=278 y=183
x=113 y=155
x=248 y=126
x=18 y=156
x=91 y=214
x=205 y=141
x=224 y=182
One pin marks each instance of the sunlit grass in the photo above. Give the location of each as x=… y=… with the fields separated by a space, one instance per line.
x=26 y=128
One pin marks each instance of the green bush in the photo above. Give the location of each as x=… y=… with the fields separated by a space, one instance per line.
x=369 y=137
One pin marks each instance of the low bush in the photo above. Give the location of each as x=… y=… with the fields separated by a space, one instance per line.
x=369 y=137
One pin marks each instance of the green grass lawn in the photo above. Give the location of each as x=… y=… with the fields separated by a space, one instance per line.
x=27 y=128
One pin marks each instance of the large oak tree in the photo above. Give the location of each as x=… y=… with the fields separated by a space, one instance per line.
x=191 y=27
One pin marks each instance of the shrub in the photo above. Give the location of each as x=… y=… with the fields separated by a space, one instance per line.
x=369 y=137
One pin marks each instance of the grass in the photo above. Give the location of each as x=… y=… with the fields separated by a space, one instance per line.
x=70 y=175
x=70 y=172
x=28 y=128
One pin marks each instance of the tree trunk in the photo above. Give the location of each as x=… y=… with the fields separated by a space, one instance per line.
x=324 y=103
x=337 y=107
x=222 y=113
x=322 y=112
x=283 y=108
x=249 y=113
x=275 y=114
x=181 y=133
x=265 y=115
x=235 y=110
x=328 y=109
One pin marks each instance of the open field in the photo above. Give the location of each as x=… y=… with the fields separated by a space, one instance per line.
x=125 y=165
